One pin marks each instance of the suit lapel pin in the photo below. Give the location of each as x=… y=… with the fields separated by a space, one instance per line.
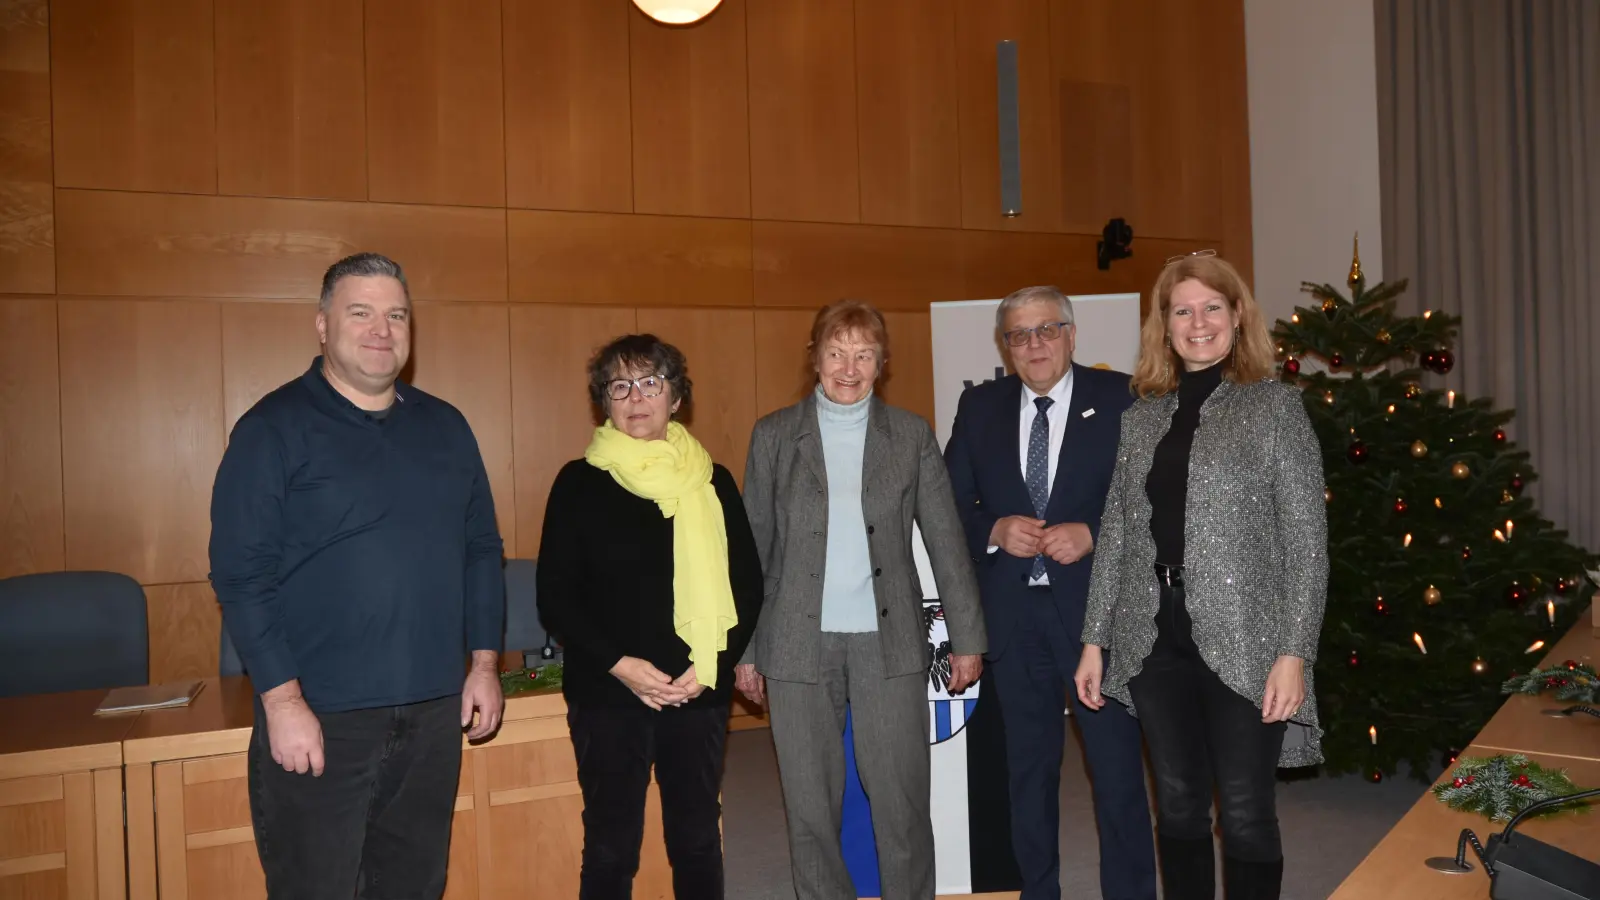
x=1087 y=413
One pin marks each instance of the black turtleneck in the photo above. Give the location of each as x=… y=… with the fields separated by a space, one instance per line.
x=1167 y=485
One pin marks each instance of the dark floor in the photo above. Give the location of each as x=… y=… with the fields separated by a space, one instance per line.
x=1329 y=825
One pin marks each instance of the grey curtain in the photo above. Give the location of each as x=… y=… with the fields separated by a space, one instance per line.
x=1489 y=142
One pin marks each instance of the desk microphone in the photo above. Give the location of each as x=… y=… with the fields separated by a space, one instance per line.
x=1523 y=868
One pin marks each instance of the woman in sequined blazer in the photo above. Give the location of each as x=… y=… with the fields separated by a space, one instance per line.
x=1210 y=574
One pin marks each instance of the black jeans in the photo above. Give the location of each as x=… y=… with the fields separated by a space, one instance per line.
x=376 y=824
x=615 y=748
x=1203 y=735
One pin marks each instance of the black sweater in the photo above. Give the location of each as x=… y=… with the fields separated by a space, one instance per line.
x=356 y=552
x=1167 y=485
x=605 y=584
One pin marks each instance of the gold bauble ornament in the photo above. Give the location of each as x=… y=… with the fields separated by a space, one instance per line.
x=1383 y=336
x=1460 y=470
x=1413 y=391
x=1327 y=496
x=1419 y=449
x=1329 y=305
x=1432 y=596
x=1479 y=667
x=1327 y=397
x=1505 y=497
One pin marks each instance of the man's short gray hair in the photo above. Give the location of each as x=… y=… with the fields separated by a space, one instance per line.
x=1039 y=294
x=361 y=265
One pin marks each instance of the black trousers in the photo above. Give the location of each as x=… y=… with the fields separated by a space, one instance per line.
x=1204 y=736
x=616 y=748
x=376 y=823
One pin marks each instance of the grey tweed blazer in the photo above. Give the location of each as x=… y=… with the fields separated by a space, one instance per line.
x=903 y=479
x=1255 y=547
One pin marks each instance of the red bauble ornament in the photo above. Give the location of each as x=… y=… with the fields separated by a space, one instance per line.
x=1522 y=781
x=1292 y=366
x=1499 y=436
x=1357 y=452
x=1429 y=358
x=1561 y=585
x=1374 y=776
x=1336 y=360
x=1354 y=659
x=1400 y=504
x=1380 y=607
x=1571 y=664
x=1516 y=594
x=1466 y=553
x=1471 y=778
x=1457 y=783
x=1443 y=361
x=1516 y=482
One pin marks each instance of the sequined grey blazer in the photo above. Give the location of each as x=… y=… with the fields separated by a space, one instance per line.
x=1255 y=547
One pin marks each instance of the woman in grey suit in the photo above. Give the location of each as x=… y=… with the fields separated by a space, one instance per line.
x=832 y=486
x=1210 y=577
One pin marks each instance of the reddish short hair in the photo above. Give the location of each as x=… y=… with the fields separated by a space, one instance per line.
x=849 y=317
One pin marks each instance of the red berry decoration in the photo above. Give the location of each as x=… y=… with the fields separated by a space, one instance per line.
x=1471 y=778
x=1443 y=362
x=1499 y=436
x=1336 y=360
x=1400 y=504
x=1457 y=783
x=1292 y=366
x=1522 y=781
x=1357 y=452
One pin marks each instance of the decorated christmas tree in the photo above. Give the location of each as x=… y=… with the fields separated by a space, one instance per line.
x=1444 y=581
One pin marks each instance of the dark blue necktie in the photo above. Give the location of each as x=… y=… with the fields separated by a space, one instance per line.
x=1037 y=474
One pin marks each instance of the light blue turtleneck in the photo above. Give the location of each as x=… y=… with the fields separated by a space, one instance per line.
x=848 y=602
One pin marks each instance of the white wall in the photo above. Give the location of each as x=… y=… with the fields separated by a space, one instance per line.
x=1313 y=145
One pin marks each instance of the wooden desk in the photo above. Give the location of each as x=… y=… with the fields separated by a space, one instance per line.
x=1521 y=725
x=61 y=797
x=517 y=828
x=1394 y=868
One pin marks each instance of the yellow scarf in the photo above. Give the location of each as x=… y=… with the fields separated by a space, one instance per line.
x=676 y=474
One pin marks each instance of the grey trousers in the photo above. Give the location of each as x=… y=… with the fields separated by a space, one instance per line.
x=890 y=720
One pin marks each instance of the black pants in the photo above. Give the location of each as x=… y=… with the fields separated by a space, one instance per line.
x=376 y=823
x=615 y=748
x=1202 y=736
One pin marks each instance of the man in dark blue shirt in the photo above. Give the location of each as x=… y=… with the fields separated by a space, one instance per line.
x=355 y=554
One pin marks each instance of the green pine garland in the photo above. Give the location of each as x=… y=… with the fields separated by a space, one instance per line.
x=1500 y=787
x=1571 y=680
x=541 y=678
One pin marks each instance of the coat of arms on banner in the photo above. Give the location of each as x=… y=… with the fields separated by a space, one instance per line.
x=947 y=714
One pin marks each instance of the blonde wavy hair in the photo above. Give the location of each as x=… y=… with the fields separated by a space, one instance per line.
x=1250 y=359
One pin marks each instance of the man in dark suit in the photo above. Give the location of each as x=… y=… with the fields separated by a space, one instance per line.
x=1030 y=458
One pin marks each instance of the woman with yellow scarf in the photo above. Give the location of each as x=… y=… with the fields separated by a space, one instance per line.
x=649 y=575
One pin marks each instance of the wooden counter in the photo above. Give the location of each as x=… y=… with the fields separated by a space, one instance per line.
x=1394 y=868
x=1522 y=726
x=61 y=797
x=517 y=828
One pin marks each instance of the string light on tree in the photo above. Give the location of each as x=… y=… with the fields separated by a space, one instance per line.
x=1535 y=647
x=1417 y=639
x=1479 y=666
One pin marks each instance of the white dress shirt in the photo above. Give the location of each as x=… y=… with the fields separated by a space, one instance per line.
x=1061 y=393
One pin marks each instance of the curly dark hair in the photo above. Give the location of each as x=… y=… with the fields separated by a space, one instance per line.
x=640 y=353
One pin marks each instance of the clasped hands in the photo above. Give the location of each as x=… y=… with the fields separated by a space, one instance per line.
x=1021 y=536
x=655 y=688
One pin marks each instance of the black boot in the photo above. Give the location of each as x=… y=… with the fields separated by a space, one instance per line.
x=1188 y=869
x=1251 y=880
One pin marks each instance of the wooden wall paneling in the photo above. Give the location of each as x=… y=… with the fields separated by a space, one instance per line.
x=908 y=380
x=264 y=346
x=720 y=347
x=461 y=352
x=31 y=529
x=783 y=366
x=691 y=121
x=134 y=107
x=629 y=259
x=1092 y=49
x=552 y=418
x=291 y=98
x=567 y=105
x=435 y=109
x=185 y=629
x=27 y=203
x=906 y=85
x=811 y=265
x=803 y=137
x=1231 y=124
x=174 y=245
x=141 y=435
x=979 y=28
x=997 y=264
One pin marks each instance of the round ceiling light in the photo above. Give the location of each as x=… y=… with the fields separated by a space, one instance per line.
x=677 y=12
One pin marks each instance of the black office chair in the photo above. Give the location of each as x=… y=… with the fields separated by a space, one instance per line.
x=72 y=631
